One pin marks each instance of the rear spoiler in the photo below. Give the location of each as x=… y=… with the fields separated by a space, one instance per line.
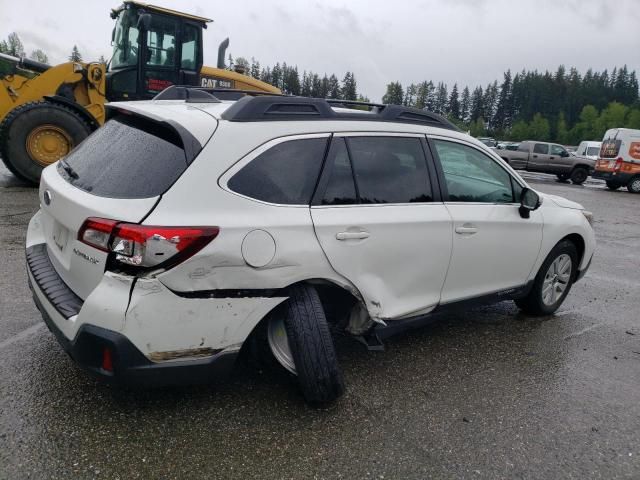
x=190 y=144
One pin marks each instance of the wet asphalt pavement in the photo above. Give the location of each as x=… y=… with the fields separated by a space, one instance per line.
x=488 y=393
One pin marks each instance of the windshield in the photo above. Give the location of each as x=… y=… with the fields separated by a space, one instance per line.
x=125 y=40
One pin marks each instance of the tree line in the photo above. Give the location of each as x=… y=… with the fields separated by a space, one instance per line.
x=288 y=79
x=564 y=107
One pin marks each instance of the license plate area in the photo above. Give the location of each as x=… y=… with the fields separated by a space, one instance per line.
x=59 y=236
x=612 y=163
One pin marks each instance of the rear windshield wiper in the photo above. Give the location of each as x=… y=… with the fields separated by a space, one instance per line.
x=69 y=169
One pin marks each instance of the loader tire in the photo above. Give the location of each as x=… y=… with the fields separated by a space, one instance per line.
x=37 y=134
x=316 y=363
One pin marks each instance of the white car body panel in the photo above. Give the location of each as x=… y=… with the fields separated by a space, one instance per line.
x=498 y=256
x=392 y=284
x=411 y=261
x=80 y=266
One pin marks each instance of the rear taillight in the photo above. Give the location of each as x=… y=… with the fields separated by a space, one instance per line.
x=618 y=164
x=145 y=246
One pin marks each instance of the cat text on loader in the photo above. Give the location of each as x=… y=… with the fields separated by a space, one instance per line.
x=47 y=110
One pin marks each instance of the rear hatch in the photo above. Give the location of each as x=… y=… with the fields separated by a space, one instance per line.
x=609 y=151
x=120 y=173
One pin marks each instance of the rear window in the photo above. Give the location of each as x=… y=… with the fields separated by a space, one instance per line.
x=593 y=151
x=285 y=174
x=126 y=158
x=610 y=148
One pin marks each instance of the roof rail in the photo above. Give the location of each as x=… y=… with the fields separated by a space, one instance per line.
x=288 y=108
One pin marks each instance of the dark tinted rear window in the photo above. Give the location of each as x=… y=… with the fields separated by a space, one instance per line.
x=541 y=148
x=126 y=158
x=390 y=169
x=284 y=174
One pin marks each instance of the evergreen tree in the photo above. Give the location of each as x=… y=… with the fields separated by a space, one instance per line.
x=334 y=87
x=477 y=104
x=4 y=47
x=454 y=103
x=75 y=56
x=465 y=105
x=410 y=95
x=349 y=91
x=102 y=60
x=394 y=95
x=254 y=71
x=442 y=96
x=421 y=95
x=431 y=97
x=305 y=89
x=503 y=116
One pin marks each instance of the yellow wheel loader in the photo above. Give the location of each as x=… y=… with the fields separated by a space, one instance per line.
x=47 y=110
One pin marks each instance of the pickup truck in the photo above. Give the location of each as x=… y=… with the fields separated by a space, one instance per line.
x=549 y=158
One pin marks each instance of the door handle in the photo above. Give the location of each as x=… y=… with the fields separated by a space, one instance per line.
x=466 y=229
x=552 y=158
x=352 y=235
x=534 y=156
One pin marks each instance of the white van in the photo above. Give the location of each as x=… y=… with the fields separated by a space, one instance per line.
x=619 y=160
x=589 y=149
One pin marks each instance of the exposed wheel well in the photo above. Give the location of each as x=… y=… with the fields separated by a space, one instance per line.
x=336 y=302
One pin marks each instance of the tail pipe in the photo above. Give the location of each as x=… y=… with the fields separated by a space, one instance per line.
x=222 y=50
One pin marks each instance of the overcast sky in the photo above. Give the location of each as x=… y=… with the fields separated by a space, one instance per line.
x=465 y=41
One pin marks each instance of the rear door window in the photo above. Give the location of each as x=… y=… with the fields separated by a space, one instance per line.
x=542 y=148
x=389 y=169
x=128 y=157
x=284 y=174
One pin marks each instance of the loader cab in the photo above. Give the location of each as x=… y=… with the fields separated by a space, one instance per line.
x=153 y=48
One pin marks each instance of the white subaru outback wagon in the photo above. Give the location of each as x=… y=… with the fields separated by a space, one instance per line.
x=189 y=226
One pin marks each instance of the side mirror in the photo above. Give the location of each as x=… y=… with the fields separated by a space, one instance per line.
x=529 y=201
x=564 y=154
x=144 y=21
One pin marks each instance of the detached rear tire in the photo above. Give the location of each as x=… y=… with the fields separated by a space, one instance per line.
x=553 y=281
x=579 y=175
x=612 y=185
x=311 y=345
x=36 y=134
x=562 y=177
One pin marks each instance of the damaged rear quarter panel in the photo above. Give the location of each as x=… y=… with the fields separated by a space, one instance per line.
x=165 y=326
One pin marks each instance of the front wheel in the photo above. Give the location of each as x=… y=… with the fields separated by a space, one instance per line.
x=612 y=185
x=553 y=281
x=579 y=175
x=634 y=185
